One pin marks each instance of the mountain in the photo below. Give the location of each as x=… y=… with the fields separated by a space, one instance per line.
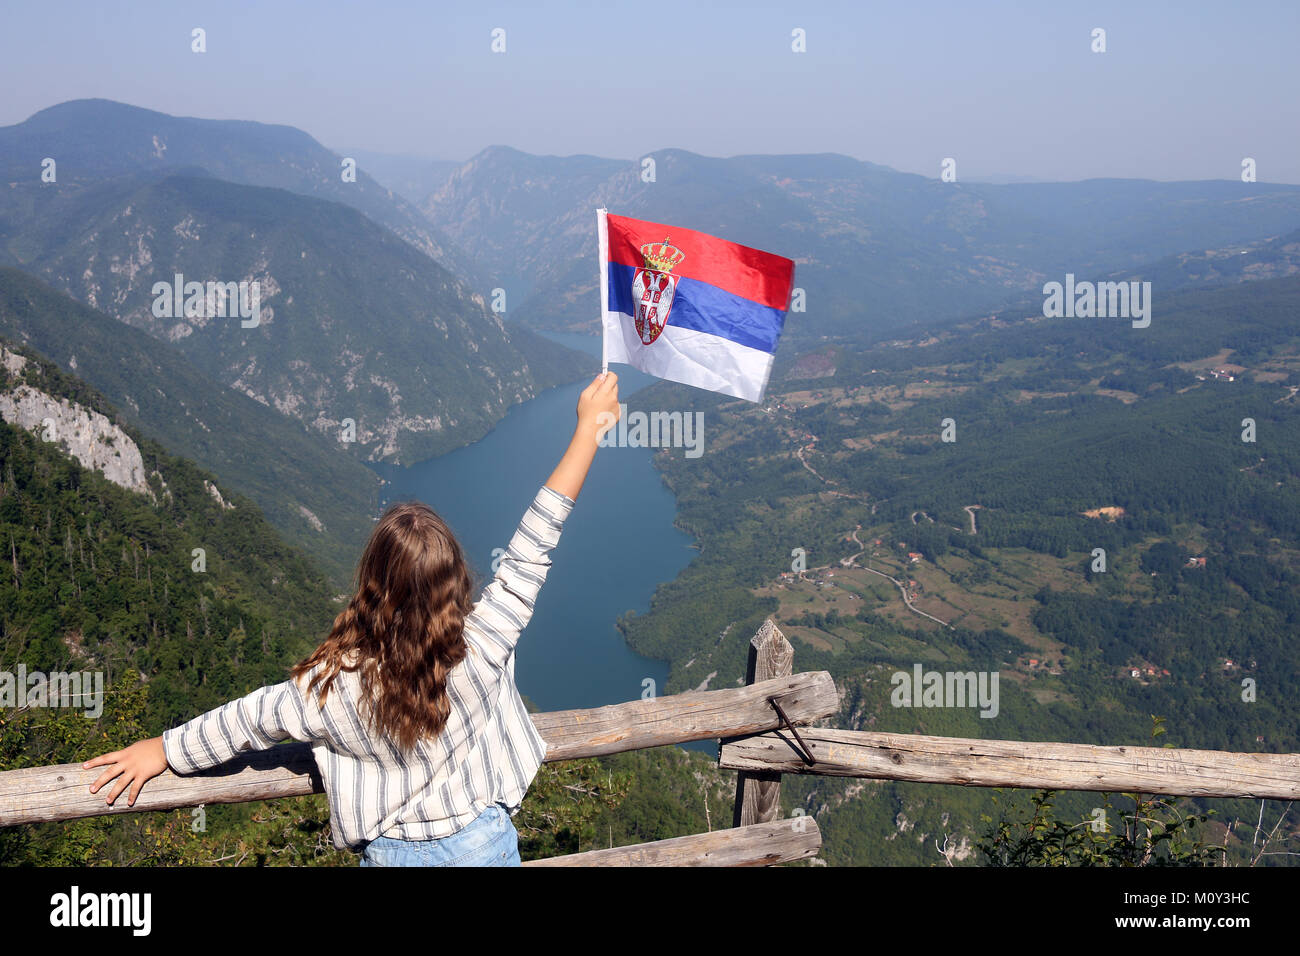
x=521 y=217
x=315 y=493
x=122 y=557
x=355 y=324
x=413 y=178
x=874 y=248
x=1272 y=258
x=1251 y=260
x=96 y=139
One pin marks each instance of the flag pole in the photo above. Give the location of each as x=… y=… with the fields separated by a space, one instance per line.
x=602 y=252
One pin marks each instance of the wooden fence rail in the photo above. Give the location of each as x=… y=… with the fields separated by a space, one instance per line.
x=1014 y=763
x=62 y=792
x=760 y=844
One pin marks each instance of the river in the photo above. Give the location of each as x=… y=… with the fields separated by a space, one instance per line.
x=617 y=546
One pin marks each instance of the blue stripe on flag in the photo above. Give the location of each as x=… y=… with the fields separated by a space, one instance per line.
x=705 y=308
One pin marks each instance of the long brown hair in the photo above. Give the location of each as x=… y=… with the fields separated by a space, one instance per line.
x=404 y=627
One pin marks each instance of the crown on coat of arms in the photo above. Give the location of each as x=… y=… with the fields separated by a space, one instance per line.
x=662 y=256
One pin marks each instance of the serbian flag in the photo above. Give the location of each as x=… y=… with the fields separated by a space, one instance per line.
x=690 y=307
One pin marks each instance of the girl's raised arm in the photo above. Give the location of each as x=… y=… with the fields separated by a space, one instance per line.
x=598 y=411
x=506 y=607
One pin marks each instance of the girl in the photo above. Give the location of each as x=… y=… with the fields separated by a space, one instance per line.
x=410 y=704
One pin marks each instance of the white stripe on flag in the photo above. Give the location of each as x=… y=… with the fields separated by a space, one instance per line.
x=690 y=357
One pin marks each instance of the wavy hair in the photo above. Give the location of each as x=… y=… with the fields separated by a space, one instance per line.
x=403 y=629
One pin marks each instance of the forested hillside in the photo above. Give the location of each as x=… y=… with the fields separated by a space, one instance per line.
x=315 y=493
x=100 y=576
x=180 y=599
x=352 y=323
x=1071 y=438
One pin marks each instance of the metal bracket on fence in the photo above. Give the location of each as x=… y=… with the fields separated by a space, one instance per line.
x=804 y=751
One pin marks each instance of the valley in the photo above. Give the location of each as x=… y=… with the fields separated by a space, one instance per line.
x=1096 y=510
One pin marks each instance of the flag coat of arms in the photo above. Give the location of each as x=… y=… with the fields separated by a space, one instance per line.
x=690 y=307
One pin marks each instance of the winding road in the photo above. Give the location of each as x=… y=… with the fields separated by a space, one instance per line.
x=907 y=600
x=822 y=478
x=852 y=562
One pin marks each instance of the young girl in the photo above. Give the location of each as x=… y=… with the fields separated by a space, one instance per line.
x=410 y=704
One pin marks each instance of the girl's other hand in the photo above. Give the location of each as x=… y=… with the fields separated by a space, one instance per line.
x=136 y=765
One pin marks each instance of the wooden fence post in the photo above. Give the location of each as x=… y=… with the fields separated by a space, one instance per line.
x=758 y=793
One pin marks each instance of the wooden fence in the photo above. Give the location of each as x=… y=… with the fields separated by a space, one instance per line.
x=764 y=730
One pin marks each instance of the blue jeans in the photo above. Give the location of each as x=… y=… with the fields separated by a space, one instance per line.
x=491 y=840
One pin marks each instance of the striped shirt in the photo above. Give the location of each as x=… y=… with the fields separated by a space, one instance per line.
x=488 y=752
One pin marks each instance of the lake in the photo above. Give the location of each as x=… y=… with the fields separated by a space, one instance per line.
x=617 y=546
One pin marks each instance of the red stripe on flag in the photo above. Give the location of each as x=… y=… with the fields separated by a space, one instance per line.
x=740 y=270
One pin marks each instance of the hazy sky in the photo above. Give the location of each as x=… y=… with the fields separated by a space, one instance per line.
x=1183 y=91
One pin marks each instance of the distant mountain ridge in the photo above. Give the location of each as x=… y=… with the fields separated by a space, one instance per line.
x=94 y=139
x=512 y=211
x=874 y=248
x=411 y=177
x=1259 y=260
x=1272 y=258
